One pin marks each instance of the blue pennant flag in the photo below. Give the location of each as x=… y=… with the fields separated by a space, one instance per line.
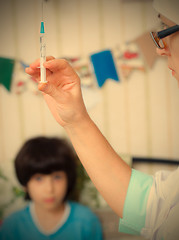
x=104 y=67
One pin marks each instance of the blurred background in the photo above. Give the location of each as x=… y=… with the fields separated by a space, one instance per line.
x=137 y=112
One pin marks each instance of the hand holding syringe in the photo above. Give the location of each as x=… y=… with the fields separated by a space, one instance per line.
x=42 y=53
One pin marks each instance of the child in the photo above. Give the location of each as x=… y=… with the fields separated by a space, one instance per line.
x=46 y=168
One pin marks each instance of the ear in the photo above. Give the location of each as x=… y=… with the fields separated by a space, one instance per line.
x=24 y=189
x=26 y=196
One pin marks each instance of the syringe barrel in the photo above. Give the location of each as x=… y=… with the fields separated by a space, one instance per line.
x=42 y=58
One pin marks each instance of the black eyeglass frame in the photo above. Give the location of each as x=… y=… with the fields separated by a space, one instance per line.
x=156 y=36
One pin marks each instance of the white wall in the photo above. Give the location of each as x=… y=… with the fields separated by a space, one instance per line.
x=139 y=116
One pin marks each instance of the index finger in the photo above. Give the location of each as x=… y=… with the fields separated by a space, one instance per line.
x=57 y=64
x=36 y=64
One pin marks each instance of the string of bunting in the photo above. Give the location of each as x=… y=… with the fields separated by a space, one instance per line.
x=101 y=66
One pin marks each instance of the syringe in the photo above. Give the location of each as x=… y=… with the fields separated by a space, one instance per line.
x=42 y=53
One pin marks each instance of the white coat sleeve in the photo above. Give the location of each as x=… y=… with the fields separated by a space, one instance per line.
x=162 y=216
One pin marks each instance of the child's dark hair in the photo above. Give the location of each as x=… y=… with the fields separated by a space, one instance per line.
x=46 y=155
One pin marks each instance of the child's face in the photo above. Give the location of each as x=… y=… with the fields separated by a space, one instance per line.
x=48 y=191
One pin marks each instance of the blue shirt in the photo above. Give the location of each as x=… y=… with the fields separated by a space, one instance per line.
x=81 y=224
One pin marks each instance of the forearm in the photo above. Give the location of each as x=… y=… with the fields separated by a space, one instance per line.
x=109 y=173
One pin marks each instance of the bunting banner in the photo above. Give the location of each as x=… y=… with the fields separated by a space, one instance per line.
x=6 y=72
x=129 y=59
x=104 y=67
x=148 y=48
x=94 y=68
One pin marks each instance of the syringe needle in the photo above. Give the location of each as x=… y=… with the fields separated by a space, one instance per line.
x=42 y=53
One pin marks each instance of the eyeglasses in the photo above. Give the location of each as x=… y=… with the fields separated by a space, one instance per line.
x=157 y=36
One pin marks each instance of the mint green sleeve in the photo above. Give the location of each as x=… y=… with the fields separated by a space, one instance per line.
x=134 y=212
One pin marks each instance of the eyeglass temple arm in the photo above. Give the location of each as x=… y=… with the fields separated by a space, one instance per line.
x=168 y=31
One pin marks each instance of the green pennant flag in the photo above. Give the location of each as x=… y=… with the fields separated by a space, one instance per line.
x=6 y=71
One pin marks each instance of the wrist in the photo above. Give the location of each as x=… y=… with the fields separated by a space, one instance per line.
x=81 y=123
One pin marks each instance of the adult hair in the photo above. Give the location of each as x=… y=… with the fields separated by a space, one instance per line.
x=45 y=155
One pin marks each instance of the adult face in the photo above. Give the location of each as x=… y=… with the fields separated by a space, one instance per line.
x=171 y=50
